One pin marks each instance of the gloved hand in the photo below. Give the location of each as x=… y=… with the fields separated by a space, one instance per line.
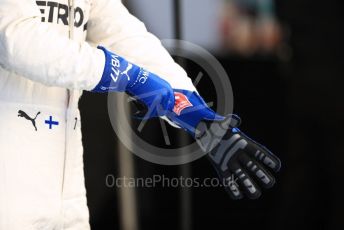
x=239 y=161
x=234 y=155
x=152 y=91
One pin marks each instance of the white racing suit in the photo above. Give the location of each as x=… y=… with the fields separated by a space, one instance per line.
x=47 y=56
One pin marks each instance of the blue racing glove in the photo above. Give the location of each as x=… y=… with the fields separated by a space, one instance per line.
x=236 y=158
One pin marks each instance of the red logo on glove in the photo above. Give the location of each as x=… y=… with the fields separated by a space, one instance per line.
x=181 y=103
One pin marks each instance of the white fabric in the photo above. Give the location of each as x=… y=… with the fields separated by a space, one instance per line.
x=43 y=70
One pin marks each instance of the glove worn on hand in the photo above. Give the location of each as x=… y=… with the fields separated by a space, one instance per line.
x=238 y=160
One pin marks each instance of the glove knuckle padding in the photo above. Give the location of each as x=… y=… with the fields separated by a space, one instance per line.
x=257 y=170
x=265 y=156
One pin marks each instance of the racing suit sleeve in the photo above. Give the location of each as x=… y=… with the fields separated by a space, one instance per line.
x=112 y=26
x=38 y=52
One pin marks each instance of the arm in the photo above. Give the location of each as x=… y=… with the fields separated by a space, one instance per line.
x=36 y=51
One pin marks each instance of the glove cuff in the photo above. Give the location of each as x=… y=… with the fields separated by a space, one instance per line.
x=118 y=75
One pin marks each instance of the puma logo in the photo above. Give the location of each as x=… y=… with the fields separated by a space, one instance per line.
x=33 y=120
x=129 y=67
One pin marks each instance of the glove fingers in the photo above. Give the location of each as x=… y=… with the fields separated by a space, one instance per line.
x=232 y=188
x=246 y=183
x=229 y=181
x=255 y=168
x=263 y=155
